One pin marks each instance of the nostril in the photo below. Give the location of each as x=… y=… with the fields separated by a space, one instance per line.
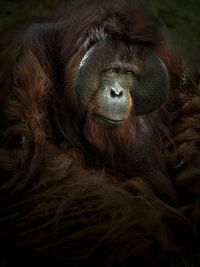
x=120 y=93
x=116 y=93
x=112 y=93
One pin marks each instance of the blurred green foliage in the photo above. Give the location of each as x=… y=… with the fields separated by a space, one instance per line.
x=181 y=19
x=13 y=10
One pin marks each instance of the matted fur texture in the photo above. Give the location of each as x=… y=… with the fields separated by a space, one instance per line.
x=66 y=200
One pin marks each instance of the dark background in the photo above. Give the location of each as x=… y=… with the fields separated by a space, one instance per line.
x=180 y=18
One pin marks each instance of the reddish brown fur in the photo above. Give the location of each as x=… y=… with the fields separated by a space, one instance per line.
x=59 y=200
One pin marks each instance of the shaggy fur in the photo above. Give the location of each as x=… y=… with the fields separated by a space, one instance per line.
x=85 y=204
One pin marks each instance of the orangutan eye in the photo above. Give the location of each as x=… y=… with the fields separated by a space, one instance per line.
x=128 y=72
x=110 y=70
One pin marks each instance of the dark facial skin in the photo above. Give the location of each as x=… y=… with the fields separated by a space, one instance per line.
x=116 y=102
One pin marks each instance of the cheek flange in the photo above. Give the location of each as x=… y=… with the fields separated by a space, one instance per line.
x=151 y=88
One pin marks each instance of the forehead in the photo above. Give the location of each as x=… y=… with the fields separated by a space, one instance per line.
x=125 y=53
x=117 y=49
x=105 y=52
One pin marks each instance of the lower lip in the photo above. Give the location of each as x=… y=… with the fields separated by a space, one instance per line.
x=113 y=122
x=110 y=121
